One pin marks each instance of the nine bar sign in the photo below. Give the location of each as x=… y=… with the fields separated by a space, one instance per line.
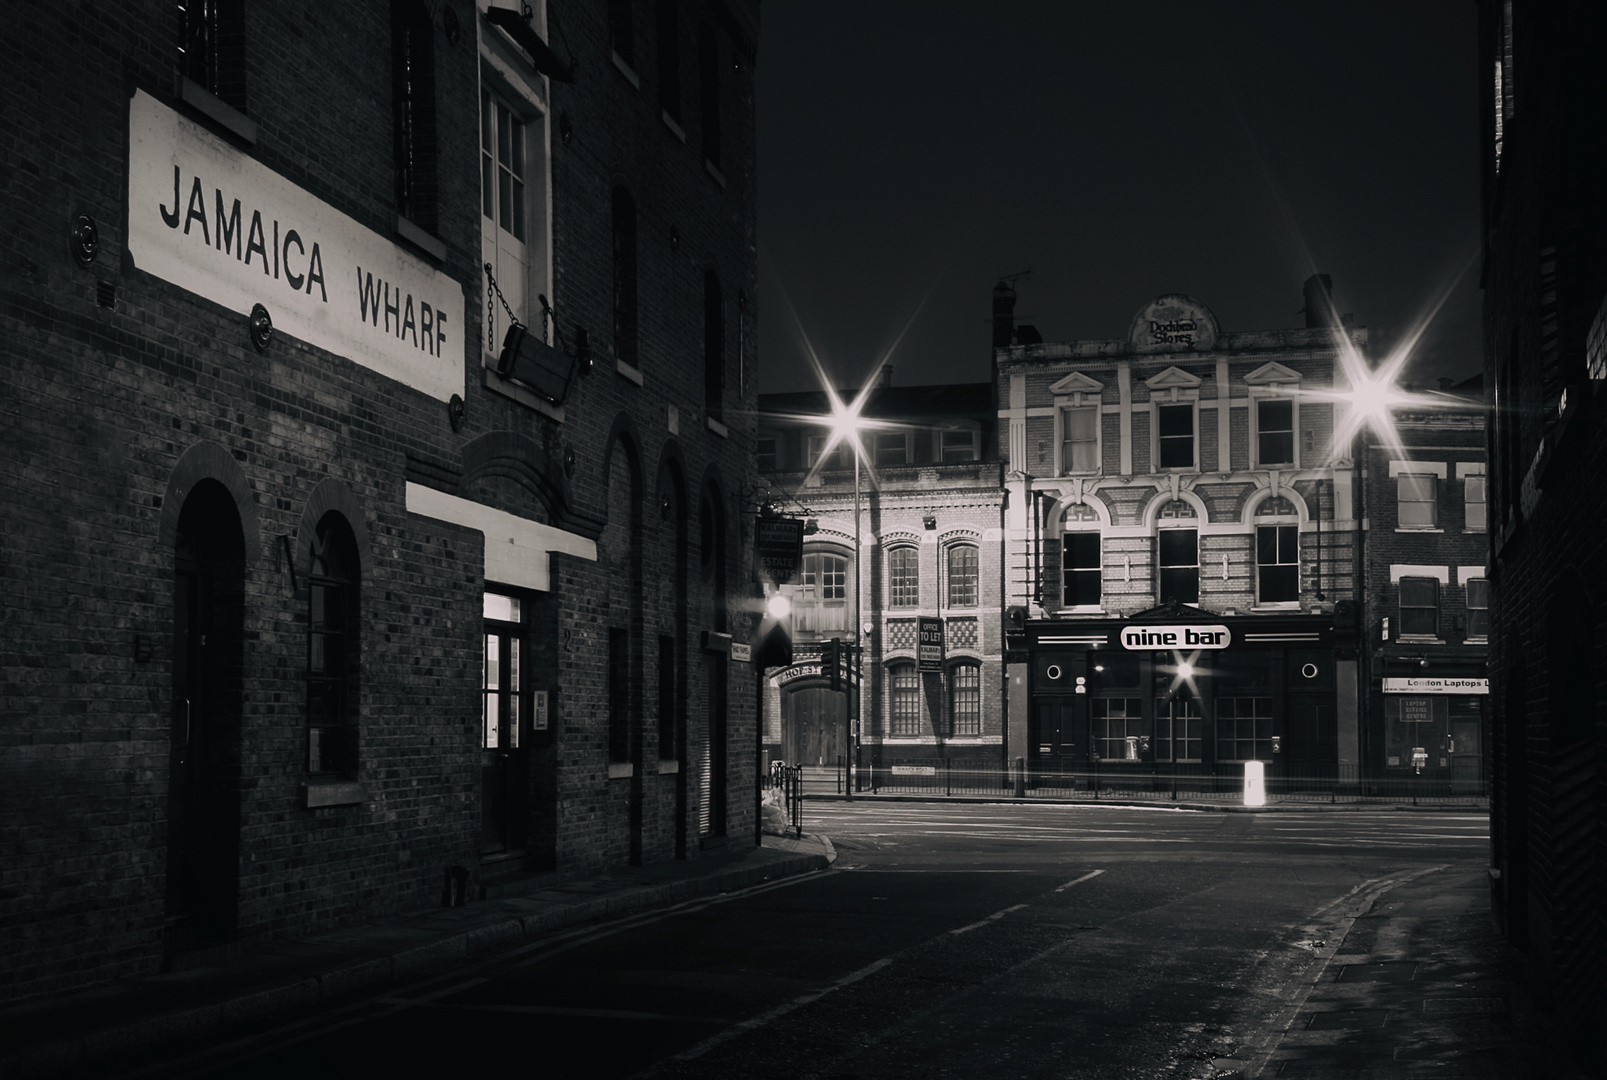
x=778 y=541
x=929 y=654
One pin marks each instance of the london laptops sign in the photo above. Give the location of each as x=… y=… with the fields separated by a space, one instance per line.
x=222 y=225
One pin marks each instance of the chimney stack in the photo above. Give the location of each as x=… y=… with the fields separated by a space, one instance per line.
x=1004 y=315
x=1320 y=301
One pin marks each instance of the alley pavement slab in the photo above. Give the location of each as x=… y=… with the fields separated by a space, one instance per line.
x=105 y=1029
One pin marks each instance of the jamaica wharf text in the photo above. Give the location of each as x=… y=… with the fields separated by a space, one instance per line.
x=427 y=330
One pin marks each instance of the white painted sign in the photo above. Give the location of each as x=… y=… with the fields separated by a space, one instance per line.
x=215 y=221
x=1176 y=637
x=914 y=770
x=1436 y=686
x=741 y=652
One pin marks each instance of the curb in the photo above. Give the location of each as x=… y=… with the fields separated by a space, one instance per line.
x=302 y=993
x=1137 y=804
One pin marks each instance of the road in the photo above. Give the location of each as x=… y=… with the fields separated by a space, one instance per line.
x=949 y=940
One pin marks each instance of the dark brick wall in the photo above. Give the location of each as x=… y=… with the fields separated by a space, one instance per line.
x=102 y=403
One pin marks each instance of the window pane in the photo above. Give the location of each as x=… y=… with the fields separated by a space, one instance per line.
x=903 y=577
x=967 y=700
x=958 y=446
x=890 y=448
x=1080 y=444
x=1474 y=492
x=1279 y=584
x=1180 y=585
x=1478 y=593
x=1416 y=499
x=491 y=728
x=1275 y=432
x=1179 y=547
x=499 y=607
x=962 y=576
x=493 y=661
x=906 y=700
x=1080 y=561
x=1418 y=592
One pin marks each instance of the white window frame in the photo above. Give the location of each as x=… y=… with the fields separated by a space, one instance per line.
x=876 y=449
x=948 y=594
x=1062 y=408
x=1099 y=565
x=1173 y=386
x=938 y=448
x=1273 y=382
x=507 y=72
x=1468 y=472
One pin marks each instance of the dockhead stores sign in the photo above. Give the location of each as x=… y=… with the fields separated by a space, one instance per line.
x=220 y=224
x=1182 y=636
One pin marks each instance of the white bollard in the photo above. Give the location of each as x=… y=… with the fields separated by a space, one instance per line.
x=1255 y=783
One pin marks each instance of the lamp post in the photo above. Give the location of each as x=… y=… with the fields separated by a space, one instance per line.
x=846 y=424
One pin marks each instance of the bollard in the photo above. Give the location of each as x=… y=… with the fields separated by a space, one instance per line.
x=1255 y=783
x=1021 y=778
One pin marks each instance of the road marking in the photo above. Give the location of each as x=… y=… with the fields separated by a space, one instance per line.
x=570 y=1010
x=1079 y=881
x=779 y=1011
x=991 y=918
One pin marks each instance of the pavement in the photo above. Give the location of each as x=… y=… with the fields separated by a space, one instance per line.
x=108 y=1028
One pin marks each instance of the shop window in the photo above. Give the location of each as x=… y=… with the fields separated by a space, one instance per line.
x=1420 y=607
x=1175 y=428
x=502 y=690
x=713 y=344
x=904 y=577
x=1243 y=729
x=1275 y=432
x=1179 y=729
x=962 y=566
x=892 y=448
x=624 y=234
x=820 y=601
x=1415 y=500
x=1277 y=564
x=1112 y=721
x=332 y=651
x=905 y=706
x=967 y=699
x=1080 y=569
x=1478 y=608
x=1475 y=519
x=619 y=698
x=1178 y=560
x=413 y=102
x=1079 y=439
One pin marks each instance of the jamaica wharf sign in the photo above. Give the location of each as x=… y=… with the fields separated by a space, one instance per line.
x=224 y=226
x=1176 y=637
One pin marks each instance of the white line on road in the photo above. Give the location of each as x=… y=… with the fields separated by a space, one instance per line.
x=991 y=918
x=1079 y=881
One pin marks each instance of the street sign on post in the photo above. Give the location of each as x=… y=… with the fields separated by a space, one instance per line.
x=778 y=541
x=929 y=644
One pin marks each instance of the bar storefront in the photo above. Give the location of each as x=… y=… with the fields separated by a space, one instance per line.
x=1179 y=691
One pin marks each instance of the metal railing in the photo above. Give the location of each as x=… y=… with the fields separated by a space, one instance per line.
x=787 y=781
x=1153 y=782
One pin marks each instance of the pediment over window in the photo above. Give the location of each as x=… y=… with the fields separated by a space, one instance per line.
x=1077 y=383
x=1173 y=377
x=1272 y=373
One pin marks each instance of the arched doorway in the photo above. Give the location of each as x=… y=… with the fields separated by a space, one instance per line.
x=203 y=829
x=816 y=720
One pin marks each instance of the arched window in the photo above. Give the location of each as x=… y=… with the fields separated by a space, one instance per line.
x=904 y=577
x=966 y=699
x=625 y=277
x=1177 y=554
x=820 y=601
x=1080 y=558
x=332 y=650
x=904 y=708
x=963 y=569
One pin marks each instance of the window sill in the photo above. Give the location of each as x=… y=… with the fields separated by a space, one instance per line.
x=508 y=388
x=675 y=129
x=1419 y=639
x=626 y=70
x=1418 y=529
x=629 y=371
x=316 y=793
x=416 y=235
x=1281 y=605
x=715 y=426
x=1476 y=532
x=217 y=110
x=714 y=170
x=667 y=767
x=619 y=770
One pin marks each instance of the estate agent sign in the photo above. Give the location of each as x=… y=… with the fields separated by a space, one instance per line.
x=217 y=222
x=929 y=644
x=779 y=544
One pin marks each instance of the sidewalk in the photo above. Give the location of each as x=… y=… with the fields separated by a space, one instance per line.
x=98 y=1030
x=1406 y=979
x=1120 y=799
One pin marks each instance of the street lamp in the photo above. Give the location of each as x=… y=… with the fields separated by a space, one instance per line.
x=846 y=425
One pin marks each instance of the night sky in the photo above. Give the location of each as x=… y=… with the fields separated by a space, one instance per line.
x=912 y=154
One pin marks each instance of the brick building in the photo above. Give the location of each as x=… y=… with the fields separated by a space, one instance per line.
x=317 y=585
x=928 y=527
x=1543 y=99
x=1426 y=606
x=1179 y=487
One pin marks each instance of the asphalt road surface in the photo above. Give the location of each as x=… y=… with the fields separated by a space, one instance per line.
x=949 y=940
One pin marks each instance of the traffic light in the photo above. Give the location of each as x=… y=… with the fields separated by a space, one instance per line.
x=831 y=661
x=775 y=634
